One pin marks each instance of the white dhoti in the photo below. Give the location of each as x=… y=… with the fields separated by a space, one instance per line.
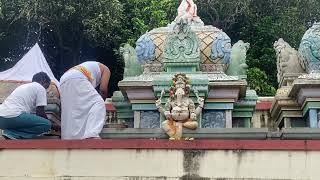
x=83 y=110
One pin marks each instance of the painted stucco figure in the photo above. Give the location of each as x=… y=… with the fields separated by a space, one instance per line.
x=221 y=48
x=179 y=110
x=132 y=67
x=188 y=11
x=287 y=59
x=145 y=49
x=238 y=66
x=309 y=49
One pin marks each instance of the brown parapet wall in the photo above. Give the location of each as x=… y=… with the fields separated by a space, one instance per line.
x=291 y=145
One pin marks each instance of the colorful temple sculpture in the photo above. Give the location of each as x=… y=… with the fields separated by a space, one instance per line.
x=297 y=101
x=184 y=75
x=179 y=110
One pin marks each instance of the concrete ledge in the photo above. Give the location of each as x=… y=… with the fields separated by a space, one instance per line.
x=274 y=135
x=201 y=133
x=300 y=133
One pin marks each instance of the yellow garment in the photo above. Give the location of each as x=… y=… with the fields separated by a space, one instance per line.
x=84 y=71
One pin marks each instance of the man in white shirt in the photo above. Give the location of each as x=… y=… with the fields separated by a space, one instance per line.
x=22 y=114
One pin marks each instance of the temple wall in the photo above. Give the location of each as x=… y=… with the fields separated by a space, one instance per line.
x=157 y=164
x=261 y=116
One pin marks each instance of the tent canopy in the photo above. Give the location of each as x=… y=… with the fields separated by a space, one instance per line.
x=30 y=64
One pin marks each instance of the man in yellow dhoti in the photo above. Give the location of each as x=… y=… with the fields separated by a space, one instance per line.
x=82 y=108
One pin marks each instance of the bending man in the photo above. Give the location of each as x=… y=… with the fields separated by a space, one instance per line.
x=82 y=108
x=16 y=118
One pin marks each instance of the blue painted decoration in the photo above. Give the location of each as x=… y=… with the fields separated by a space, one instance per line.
x=145 y=49
x=313 y=118
x=213 y=119
x=150 y=119
x=309 y=49
x=221 y=48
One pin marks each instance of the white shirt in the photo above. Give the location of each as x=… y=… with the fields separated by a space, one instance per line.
x=24 y=99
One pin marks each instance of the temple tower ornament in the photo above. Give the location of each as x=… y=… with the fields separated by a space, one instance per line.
x=182 y=49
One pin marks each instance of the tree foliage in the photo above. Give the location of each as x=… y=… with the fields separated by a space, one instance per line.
x=145 y=15
x=267 y=21
x=68 y=31
x=260 y=82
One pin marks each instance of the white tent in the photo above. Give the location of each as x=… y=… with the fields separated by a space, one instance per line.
x=30 y=64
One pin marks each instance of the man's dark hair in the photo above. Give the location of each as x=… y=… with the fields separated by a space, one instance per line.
x=41 y=77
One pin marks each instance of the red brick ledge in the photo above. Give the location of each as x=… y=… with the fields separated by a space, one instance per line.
x=264 y=105
x=308 y=145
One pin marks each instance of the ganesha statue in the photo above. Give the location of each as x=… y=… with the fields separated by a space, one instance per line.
x=179 y=110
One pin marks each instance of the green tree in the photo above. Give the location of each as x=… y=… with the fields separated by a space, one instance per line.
x=145 y=15
x=68 y=31
x=258 y=81
x=223 y=14
x=267 y=21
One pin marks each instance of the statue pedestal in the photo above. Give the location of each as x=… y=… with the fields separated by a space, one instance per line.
x=306 y=91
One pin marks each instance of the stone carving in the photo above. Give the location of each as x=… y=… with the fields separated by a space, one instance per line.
x=149 y=68
x=251 y=93
x=287 y=59
x=179 y=110
x=221 y=77
x=132 y=67
x=150 y=119
x=213 y=68
x=182 y=45
x=188 y=11
x=221 y=48
x=213 y=119
x=238 y=66
x=205 y=34
x=309 y=49
x=311 y=76
x=145 y=49
x=283 y=91
x=143 y=77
